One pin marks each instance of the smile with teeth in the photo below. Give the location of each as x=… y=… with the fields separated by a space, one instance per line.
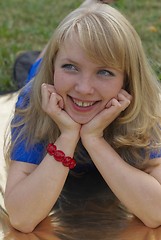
x=83 y=104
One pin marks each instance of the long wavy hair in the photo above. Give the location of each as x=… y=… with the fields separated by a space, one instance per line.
x=108 y=38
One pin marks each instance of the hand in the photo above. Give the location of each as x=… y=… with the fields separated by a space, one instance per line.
x=113 y=108
x=52 y=104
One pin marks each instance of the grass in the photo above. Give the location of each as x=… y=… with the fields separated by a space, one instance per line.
x=27 y=25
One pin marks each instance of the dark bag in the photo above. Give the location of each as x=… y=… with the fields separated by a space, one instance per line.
x=22 y=66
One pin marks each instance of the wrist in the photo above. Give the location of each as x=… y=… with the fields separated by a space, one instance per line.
x=67 y=143
x=92 y=141
x=70 y=137
x=60 y=156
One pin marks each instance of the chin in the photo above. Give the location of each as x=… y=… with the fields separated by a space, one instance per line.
x=82 y=120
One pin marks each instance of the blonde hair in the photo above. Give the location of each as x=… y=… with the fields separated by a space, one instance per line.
x=107 y=37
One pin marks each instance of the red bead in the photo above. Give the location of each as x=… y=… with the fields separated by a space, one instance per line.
x=67 y=161
x=60 y=156
x=51 y=148
x=72 y=164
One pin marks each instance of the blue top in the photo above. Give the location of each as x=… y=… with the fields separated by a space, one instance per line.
x=36 y=153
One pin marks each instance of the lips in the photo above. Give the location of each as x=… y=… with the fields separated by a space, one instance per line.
x=82 y=104
x=85 y=104
x=80 y=110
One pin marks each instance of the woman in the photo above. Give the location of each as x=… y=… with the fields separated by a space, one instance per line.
x=87 y=112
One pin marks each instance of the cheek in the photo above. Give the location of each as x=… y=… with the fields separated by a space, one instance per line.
x=58 y=82
x=119 y=83
x=111 y=90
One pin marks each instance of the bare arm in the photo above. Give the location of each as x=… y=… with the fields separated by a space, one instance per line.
x=31 y=190
x=139 y=191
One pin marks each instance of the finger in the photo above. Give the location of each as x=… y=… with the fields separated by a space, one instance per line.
x=124 y=101
x=113 y=103
x=126 y=94
x=110 y=113
x=116 y=106
x=50 y=88
x=61 y=103
x=57 y=100
x=109 y=104
x=45 y=96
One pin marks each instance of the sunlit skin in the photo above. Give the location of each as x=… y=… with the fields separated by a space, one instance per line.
x=83 y=89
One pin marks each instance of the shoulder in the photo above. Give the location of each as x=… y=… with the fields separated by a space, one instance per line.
x=32 y=154
x=34 y=69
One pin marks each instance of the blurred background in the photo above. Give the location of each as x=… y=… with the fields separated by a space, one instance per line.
x=27 y=25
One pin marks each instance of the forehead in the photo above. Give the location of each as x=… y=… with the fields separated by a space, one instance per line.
x=71 y=49
x=73 y=53
x=77 y=50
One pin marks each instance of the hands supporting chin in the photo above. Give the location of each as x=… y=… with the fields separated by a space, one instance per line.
x=52 y=104
x=112 y=110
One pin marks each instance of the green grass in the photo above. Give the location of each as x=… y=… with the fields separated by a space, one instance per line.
x=145 y=16
x=27 y=25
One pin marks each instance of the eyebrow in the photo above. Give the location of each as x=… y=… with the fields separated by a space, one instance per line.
x=69 y=60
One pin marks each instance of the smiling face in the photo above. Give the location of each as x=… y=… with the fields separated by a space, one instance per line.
x=86 y=87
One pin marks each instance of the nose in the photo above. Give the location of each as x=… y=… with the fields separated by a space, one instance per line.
x=85 y=85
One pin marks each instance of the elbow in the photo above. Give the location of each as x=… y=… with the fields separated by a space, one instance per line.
x=18 y=222
x=23 y=227
x=152 y=223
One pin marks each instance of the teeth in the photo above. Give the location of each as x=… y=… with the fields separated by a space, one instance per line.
x=83 y=104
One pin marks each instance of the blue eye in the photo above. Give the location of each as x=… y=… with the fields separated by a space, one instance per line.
x=69 y=67
x=106 y=73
